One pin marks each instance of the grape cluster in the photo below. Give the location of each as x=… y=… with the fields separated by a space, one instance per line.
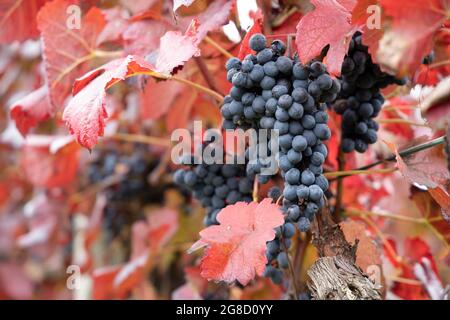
x=273 y=91
x=360 y=99
x=216 y=186
x=126 y=197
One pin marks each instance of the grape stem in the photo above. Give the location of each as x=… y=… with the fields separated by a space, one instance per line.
x=218 y=47
x=335 y=174
x=403 y=153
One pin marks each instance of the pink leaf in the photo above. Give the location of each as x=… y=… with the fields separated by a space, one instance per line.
x=328 y=24
x=85 y=114
x=176 y=48
x=18 y=19
x=66 y=51
x=215 y=16
x=50 y=161
x=31 y=109
x=158 y=97
x=142 y=37
x=116 y=24
x=236 y=248
x=411 y=34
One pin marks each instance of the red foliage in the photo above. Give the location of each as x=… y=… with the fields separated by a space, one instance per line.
x=18 y=20
x=50 y=161
x=66 y=51
x=328 y=24
x=236 y=248
x=31 y=109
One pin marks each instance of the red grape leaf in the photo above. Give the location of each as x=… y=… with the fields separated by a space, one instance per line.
x=236 y=247
x=176 y=48
x=214 y=17
x=142 y=37
x=368 y=253
x=157 y=98
x=180 y=111
x=86 y=113
x=256 y=28
x=116 y=23
x=429 y=168
x=50 y=161
x=328 y=24
x=66 y=51
x=31 y=109
x=18 y=19
x=433 y=211
x=435 y=106
x=411 y=35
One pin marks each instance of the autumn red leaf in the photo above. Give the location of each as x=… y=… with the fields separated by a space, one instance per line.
x=424 y=167
x=435 y=106
x=18 y=20
x=50 y=161
x=410 y=37
x=434 y=211
x=180 y=110
x=256 y=28
x=67 y=51
x=215 y=16
x=236 y=247
x=142 y=37
x=116 y=22
x=85 y=115
x=368 y=253
x=158 y=97
x=31 y=109
x=176 y=48
x=429 y=169
x=328 y=24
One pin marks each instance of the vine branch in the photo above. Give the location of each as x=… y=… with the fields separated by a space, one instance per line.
x=403 y=153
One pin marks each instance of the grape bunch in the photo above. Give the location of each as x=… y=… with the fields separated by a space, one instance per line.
x=273 y=91
x=360 y=99
x=216 y=186
x=126 y=197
